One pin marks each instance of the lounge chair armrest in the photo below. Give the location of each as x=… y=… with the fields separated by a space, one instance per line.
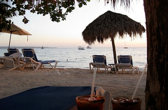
x=98 y=64
x=123 y=64
x=28 y=59
x=8 y=58
x=25 y=58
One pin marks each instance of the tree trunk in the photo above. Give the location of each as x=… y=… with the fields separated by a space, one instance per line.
x=114 y=50
x=156 y=92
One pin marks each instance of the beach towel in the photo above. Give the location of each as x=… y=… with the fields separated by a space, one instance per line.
x=45 y=98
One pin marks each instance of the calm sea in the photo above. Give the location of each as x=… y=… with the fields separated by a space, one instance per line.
x=74 y=58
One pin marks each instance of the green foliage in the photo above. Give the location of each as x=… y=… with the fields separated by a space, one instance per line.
x=57 y=9
x=4 y=16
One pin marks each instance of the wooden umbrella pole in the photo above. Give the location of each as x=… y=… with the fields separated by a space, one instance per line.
x=9 y=41
x=114 y=50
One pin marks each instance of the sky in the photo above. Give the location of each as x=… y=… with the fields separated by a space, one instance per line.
x=68 y=33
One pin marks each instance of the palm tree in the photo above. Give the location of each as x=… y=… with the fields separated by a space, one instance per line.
x=156 y=93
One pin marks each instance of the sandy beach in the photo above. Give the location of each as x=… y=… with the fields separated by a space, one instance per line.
x=17 y=81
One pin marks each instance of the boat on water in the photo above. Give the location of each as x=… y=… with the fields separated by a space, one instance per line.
x=125 y=47
x=81 y=48
x=42 y=47
x=88 y=47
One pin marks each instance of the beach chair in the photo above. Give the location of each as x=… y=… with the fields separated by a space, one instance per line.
x=99 y=61
x=11 y=51
x=30 y=53
x=13 y=61
x=125 y=62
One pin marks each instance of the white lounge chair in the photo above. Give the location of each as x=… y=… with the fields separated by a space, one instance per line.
x=99 y=61
x=30 y=53
x=11 y=51
x=125 y=62
x=13 y=61
x=29 y=62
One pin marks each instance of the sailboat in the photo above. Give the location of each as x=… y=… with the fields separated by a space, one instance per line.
x=125 y=46
x=81 y=48
x=88 y=47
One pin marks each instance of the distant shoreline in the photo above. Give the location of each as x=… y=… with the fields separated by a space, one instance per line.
x=59 y=47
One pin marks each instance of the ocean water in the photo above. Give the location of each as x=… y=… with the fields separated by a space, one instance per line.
x=74 y=58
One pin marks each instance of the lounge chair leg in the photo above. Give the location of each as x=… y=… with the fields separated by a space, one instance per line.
x=133 y=70
x=39 y=64
x=55 y=64
x=22 y=68
x=138 y=70
x=116 y=69
x=13 y=68
x=90 y=66
x=106 y=70
x=51 y=65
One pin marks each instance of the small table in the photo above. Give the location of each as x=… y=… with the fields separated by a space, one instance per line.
x=112 y=66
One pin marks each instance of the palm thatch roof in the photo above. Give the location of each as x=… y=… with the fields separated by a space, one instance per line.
x=108 y=25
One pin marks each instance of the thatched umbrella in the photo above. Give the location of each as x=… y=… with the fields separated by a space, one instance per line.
x=108 y=25
x=15 y=30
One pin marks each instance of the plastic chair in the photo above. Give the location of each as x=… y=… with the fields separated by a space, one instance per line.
x=99 y=61
x=125 y=62
x=11 y=51
x=30 y=53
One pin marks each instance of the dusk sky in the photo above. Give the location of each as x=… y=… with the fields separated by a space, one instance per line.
x=69 y=33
